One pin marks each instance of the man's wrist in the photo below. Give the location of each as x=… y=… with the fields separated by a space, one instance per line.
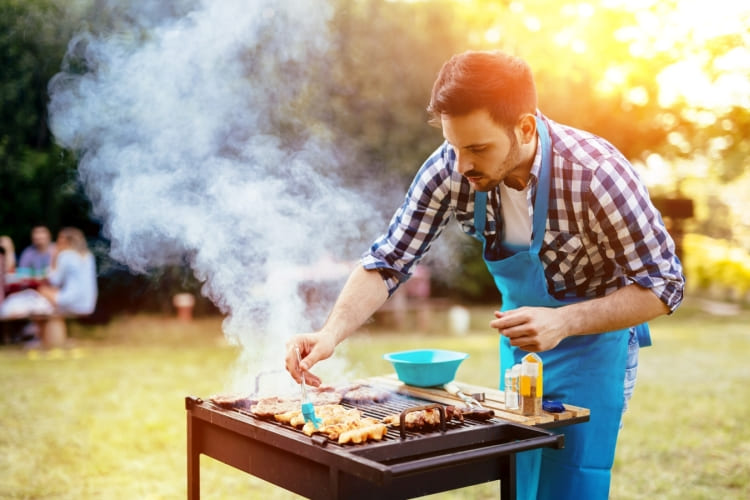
x=571 y=320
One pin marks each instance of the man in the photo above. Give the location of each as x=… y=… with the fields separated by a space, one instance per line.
x=576 y=248
x=38 y=255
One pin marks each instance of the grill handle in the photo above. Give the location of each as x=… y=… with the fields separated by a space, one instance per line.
x=402 y=416
x=455 y=457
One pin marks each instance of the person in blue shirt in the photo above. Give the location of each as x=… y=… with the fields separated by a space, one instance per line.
x=37 y=256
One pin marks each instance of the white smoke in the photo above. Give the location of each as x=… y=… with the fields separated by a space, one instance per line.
x=178 y=130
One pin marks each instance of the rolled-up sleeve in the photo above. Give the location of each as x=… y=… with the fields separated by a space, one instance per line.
x=415 y=225
x=633 y=233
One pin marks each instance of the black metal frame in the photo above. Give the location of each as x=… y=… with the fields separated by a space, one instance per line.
x=394 y=468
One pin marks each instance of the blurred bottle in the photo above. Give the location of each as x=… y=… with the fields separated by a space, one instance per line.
x=511 y=387
x=531 y=385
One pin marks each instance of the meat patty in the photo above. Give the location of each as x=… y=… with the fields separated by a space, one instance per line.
x=232 y=401
x=274 y=405
x=365 y=394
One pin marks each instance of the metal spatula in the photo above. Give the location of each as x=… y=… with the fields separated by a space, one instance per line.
x=474 y=408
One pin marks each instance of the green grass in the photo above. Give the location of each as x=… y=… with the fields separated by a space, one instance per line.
x=106 y=419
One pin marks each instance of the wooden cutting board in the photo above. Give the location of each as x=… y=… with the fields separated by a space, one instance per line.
x=494 y=400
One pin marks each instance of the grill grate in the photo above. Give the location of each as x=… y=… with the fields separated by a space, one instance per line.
x=395 y=404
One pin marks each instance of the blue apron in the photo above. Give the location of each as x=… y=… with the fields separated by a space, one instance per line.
x=587 y=370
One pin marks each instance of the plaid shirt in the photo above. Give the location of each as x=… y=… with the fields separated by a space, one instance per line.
x=602 y=230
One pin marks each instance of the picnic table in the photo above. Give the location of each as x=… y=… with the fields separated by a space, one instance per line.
x=53 y=331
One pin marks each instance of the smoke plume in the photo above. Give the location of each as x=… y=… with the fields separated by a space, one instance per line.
x=194 y=142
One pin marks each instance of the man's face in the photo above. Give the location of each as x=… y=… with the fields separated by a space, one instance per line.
x=40 y=238
x=485 y=152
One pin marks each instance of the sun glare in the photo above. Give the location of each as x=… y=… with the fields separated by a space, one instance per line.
x=688 y=26
x=686 y=31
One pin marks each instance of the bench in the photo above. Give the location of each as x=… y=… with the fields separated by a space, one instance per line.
x=53 y=328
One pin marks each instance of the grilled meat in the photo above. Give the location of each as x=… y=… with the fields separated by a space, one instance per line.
x=232 y=402
x=374 y=432
x=338 y=423
x=268 y=407
x=361 y=394
x=422 y=420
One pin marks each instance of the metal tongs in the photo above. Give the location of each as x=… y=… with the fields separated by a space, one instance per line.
x=308 y=410
x=474 y=408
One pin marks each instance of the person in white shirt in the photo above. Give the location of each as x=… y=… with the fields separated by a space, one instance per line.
x=72 y=278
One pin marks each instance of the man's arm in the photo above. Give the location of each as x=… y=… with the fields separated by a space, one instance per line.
x=362 y=295
x=539 y=329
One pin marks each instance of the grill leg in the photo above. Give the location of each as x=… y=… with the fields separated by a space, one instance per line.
x=508 y=478
x=193 y=462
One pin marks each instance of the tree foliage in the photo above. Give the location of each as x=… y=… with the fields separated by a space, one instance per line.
x=596 y=66
x=37 y=178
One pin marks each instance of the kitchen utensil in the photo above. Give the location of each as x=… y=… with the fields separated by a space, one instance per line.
x=308 y=410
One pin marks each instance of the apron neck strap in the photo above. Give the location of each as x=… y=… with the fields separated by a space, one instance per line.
x=541 y=201
x=480 y=213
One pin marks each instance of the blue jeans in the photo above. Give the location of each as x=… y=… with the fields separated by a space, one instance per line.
x=631 y=370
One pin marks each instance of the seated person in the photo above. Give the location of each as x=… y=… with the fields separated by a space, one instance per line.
x=71 y=288
x=7 y=262
x=38 y=255
x=6 y=244
x=72 y=276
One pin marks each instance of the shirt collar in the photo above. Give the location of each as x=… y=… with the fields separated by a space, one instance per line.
x=536 y=167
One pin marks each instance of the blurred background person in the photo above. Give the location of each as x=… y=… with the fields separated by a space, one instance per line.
x=9 y=259
x=72 y=285
x=7 y=262
x=38 y=255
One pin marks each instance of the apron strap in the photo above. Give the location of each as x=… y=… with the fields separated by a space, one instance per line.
x=480 y=213
x=541 y=201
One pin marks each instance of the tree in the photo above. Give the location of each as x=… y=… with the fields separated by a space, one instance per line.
x=37 y=178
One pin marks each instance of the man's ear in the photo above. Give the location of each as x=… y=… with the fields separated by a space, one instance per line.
x=526 y=128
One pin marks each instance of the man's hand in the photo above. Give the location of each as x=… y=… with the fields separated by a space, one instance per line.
x=363 y=293
x=533 y=329
x=539 y=329
x=313 y=347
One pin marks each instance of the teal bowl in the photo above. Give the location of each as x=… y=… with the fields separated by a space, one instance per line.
x=426 y=367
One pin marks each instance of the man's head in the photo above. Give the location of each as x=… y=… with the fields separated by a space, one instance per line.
x=485 y=103
x=500 y=83
x=41 y=238
x=72 y=238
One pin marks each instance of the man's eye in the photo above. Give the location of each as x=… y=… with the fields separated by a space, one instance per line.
x=478 y=149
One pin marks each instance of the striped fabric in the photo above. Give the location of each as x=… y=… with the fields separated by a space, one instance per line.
x=602 y=230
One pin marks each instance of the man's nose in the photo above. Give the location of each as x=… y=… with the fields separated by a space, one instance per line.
x=463 y=163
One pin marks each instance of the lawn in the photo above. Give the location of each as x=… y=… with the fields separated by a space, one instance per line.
x=105 y=419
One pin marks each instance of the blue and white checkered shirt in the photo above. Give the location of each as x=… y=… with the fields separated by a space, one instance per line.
x=602 y=230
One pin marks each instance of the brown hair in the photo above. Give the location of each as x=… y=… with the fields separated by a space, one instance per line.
x=74 y=237
x=498 y=82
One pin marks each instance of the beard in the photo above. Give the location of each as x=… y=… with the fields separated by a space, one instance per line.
x=516 y=176
x=510 y=171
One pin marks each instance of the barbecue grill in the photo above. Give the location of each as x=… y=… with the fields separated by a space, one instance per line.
x=404 y=464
